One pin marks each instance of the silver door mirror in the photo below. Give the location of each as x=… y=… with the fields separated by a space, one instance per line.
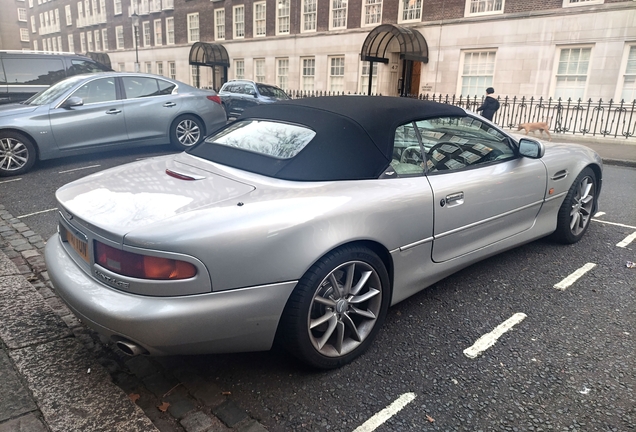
x=73 y=101
x=531 y=149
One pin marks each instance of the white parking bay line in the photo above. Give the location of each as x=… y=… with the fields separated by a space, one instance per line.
x=37 y=213
x=78 y=169
x=12 y=180
x=599 y=214
x=388 y=412
x=489 y=339
x=627 y=240
x=614 y=223
x=574 y=276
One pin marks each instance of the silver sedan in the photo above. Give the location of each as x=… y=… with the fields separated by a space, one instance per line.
x=304 y=221
x=111 y=110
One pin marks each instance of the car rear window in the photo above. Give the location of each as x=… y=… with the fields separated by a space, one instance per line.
x=270 y=91
x=33 y=71
x=270 y=138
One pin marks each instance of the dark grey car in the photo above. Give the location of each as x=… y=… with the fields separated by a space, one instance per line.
x=238 y=95
x=88 y=113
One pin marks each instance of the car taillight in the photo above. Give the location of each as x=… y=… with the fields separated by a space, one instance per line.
x=142 y=266
x=216 y=99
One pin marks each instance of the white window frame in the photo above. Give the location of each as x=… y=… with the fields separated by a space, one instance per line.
x=170 y=31
x=260 y=19
x=34 y=28
x=307 y=81
x=192 y=23
x=54 y=44
x=625 y=73
x=238 y=28
x=167 y=4
x=71 y=43
x=59 y=43
x=117 y=7
x=330 y=73
x=31 y=5
x=283 y=17
x=145 y=27
x=121 y=67
x=158 y=24
x=82 y=42
x=98 y=41
x=259 y=70
x=282 y=79
x=577 y=3
x=24 y=35
x=159 y=67
x=89 y=41
x=80 y=11
x=219 y=24
x=239 y=69
x=368 y=18
x=487 y=78
x=22 y=14
x=496 y=7
x=69 y=15
x=172 y=70
x=363 y=87
x=417 y=10
x=105 y=39
x=119 y=37
x=342 y=6
x=309 y=16
x=195 y=76
x=556 y=75
x=148 y=67
x=35 y=44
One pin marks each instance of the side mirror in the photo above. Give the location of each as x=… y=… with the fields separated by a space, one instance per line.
x=531 y=149
x=73 y=101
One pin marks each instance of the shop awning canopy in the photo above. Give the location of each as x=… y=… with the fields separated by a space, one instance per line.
x=209 y=54
x=412 y=44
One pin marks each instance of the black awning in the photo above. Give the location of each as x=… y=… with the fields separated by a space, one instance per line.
x=100 y=57
x=412 y=44
x=209 y=54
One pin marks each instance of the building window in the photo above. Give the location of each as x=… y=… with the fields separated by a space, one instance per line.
x=159 y=68
x=364 y=78
x=31 y=5
x=219 y=20
x=571 y=3
x=24 y=35
x=194 y=76
x=54 y=42
x=59 y=43
x=155 y=6
x=121 y=67
x=309 y=15
x=117 y=7
x=571 y=75
x=193 y=27
x=146 y=30
x=35 y=45
x=168 y=4
x=148 y=67
x=33 y=26
x=69 y=16
x=82 y=43
x=22 y=15
x=282 y=72
x=97 y=41
x=410 y=10
x=629 y=78
x=170 y=31
x=80 y=10
x=259 y=70
x=239 y=22
x=336 y=74
x=259 y=19
x=339 y=14
x=308 y=74
x=71 y=43
x=105 y=39
x=158 y=32
x=372 y=12
x=484 y=7
x=239 y=69
x=119 y=35
x=172 y=70
x=89 y=41
x=477 y=70
x=282 y=17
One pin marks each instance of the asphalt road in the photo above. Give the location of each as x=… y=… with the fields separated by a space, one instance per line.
x=568 y=365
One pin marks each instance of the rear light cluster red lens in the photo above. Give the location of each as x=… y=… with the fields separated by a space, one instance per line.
x=142 y=266
x=216 y=99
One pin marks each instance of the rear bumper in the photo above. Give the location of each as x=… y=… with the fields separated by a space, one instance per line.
x=219 y=322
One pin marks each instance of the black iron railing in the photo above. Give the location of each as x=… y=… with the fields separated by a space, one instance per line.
x=576 y=117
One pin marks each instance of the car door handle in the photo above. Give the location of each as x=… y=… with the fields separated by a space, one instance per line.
x=453 y=199
x=169 y=104
x=560 y=175
x=113 y=111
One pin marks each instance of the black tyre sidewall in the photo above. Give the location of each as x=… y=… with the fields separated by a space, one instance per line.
x=31 y=158
x=293 y=329
x=173 y=131
x=563 y=233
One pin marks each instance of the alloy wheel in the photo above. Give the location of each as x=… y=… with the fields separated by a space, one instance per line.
x=582 y=204
x=188 y=132
x=14 y=154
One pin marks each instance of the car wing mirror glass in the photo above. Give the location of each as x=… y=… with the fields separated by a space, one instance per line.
x=73 y=101
x=531 y=149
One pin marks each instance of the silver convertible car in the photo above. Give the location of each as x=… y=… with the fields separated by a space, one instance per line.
x=110 y=110
x=304 y=221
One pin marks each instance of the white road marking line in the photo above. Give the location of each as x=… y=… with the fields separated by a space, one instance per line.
x=489 y=339
x=574 y=276
x=374 y=422
x=77 y=169
x=599 y=214
x=12 y=180
x=627 y=240
x=36 y=213
x=614 y=223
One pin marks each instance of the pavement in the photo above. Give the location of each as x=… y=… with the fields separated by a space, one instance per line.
x=57 y=375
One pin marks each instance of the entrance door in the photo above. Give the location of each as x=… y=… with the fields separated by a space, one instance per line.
x=415 y=78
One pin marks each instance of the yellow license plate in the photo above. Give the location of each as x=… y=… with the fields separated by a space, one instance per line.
x=80 y=246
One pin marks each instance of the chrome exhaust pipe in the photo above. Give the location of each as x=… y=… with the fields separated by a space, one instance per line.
x=130 y=348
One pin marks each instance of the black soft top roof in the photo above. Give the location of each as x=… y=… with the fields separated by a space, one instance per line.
x=354 y=136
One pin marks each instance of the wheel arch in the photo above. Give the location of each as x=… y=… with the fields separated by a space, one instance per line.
x=598 y=172
x=188 y=113
x=26 y=134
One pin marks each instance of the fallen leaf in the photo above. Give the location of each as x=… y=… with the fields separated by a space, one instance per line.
x=163 y=407
x=227 y=393
x=133 y=397
x=430 y=419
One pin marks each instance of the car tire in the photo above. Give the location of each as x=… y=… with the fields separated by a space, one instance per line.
x=327 y=327
x=186 y=131
x=17 y=153
x=577 y=209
